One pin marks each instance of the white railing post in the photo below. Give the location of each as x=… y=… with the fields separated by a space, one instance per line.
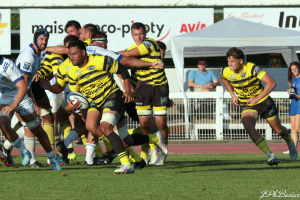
x=219 y=113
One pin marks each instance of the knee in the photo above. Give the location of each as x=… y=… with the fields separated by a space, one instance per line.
x=49 y=118
x=145 y=124
x=91 y=128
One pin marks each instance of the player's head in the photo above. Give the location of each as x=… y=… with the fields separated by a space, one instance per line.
x=73 y=28
x=202 y=63
x=163 y=48
x=99 y=38
x=40 y=39
x=138 y=32
x=68 y=39
x=87 y=31
x=293 y=71
x=235 y=58
x=77 y=52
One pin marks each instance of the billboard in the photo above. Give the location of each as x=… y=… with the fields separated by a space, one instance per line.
x=161 y=24
x=5 y=38
x=286 y=18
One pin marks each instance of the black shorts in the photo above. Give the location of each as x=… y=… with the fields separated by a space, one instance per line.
x=131 y=111
x=148 y=96
x=114 y=102
x=37 y=91
x=266 y=109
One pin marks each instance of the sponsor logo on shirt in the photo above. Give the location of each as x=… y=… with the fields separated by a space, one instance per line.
x=147 y=44
x=109 y=104
x=68 y=68
x=257 y=69
x=232 y=76
x=91 y=67
x=244 y=74
x=78 y=72
x=27 y=66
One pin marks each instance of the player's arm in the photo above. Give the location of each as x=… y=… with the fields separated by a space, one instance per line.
x=228 y=86
x=73 y=87
x=56 y=88
x=130 y=53
x=57 y=49
x=134 y=62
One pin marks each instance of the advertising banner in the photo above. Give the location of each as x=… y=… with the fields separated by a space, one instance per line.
x=5 y=38
x=287 y=18
x=161 y=24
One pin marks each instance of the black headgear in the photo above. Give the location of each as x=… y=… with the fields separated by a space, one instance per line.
x=37 y=34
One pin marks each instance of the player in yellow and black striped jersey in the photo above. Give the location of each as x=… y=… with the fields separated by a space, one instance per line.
x=254 y=100
x=92 y=76
x=152 y=89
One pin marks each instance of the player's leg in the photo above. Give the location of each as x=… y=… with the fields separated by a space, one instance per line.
x=33 y=122
x=295 y=135
x=11 y=135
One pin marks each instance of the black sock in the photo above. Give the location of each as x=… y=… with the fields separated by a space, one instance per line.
x=116 y=142
x=140 y=139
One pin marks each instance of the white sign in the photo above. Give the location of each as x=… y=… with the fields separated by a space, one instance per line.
x=162 y=23
x=5 y=37
x=287 y=18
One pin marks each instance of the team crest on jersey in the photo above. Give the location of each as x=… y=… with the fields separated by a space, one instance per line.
x=78 y=72
x=91 y=67
x=232 y=76
x=68 y=68
x=27 y=66
x=244 y=74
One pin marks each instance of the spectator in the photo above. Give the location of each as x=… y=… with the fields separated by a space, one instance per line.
x=202 y=80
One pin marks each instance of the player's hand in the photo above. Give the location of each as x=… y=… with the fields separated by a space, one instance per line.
x=252 y=101
x=128 y=96
x=71 y=107
x=235 y=100
x=37 y=109
x=35 y=78
x=45 y=84
x=132 y=89
x=158 y=65
x=7 y=109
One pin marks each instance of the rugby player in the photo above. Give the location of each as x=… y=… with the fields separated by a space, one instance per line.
x=254 y=100
x=29 y=62
x=151 y=85
x=91 y=75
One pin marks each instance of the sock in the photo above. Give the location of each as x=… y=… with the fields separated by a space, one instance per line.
x=19 y=145
x=270 y=155
x=83 y=139
x=71 y=137
x=17 y=126
x=117 y=145
x=166 y=141
x=98 y=150
x=66 y=128
x=21 y=133
x=152 y=146
x=50 y=155
x=144 y=151
x=49 y=129
x=7 y=144
x=153 y=140
x=90 y=149
x=287 y=139
x=30 y=146
x=140 y=139
x=262 y=144
x=133 y=155
x=106 y=143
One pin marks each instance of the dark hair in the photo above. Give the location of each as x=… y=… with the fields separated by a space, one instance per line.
x=74 y=23
x=235 y=53
x=290 y=74
x=91 y=28
x=77 y=43
x=162 y=45
x=138 y=25
x=202 y=59
x=99 y=34
x=70 y=38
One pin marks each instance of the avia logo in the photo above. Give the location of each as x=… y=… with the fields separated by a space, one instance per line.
x=187 y=28
x=2 y=25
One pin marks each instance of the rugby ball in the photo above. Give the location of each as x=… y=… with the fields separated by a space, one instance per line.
x=76 y=96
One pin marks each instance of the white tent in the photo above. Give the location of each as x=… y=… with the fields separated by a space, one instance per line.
x=215 y=40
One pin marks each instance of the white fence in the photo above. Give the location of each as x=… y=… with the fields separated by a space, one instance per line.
x=212 y=116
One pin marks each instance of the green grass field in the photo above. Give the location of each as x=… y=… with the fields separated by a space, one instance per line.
x=197 y=176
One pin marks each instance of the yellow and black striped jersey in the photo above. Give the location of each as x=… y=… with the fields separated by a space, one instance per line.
x=150 y=52
x=95 y=80
x=62 y=72
x=247 y=83
x=49 y=65
x=87 y=42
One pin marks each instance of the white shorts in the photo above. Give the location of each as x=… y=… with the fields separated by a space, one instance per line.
x=23 y=109
x=53 y=103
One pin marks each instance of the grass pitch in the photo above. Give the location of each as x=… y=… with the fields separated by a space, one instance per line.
x=197 y=176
